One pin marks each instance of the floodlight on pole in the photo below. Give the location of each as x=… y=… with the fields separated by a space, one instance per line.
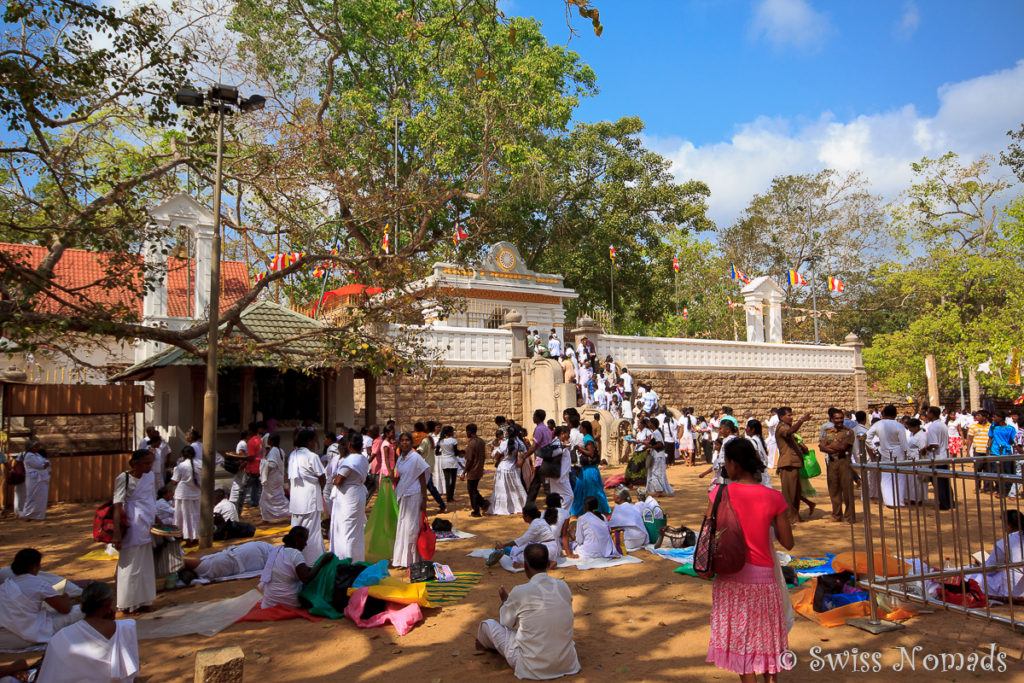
x=222 y=98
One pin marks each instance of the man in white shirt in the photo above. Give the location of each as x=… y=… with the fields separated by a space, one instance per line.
x=535 y=630
x=892 y=447
x=627 y=384
x=554 y=345
x=937 y=446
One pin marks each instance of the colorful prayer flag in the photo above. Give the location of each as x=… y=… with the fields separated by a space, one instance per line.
x=259 y=277
x=385 y=243
x=1019 y=400
x=738 y=275
x=796 y=278
x=460 y=233
x=675 y=264
x=686 y=314
x=836 y=285
x=611 y=252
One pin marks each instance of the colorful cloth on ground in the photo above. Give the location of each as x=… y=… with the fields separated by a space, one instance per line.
x=319 y=592
x=441 y=594
x=402 y=617
x=278 y=613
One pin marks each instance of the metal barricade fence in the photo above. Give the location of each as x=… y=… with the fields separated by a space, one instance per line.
x=942 y=545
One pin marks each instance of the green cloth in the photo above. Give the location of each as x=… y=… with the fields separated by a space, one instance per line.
x=382 y=524
x=319 y=592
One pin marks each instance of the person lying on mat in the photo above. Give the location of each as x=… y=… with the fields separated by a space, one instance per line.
x=1008 y=550
x=24 y=599
x=593 y=536
x=534 y=631
x=238 y=559
x=286 y=572
x=96 y=649
x=539 y=531
x=628 y=520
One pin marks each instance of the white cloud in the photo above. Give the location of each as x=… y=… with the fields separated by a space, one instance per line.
x=972 y=119
x=789 y=23
x=909 y=21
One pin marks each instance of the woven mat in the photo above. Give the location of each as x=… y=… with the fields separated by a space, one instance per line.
x=440 y=594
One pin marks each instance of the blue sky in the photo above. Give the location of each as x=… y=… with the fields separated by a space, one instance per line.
x=737 y=92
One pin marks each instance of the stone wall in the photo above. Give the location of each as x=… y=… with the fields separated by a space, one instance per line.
x=69 y=434
x=461 y=396
x=756 y=392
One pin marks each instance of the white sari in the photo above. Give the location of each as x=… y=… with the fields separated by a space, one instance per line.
x=273 y=502
x=509 y=496
x=410 y=469
x=348 y=509
x=593 y=539
x=37 y=486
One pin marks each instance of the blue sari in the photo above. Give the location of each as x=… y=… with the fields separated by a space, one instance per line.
x=589 y=483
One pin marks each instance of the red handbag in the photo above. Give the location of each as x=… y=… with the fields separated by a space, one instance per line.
x=721 y=548
x=426 y=542
x=103 y=522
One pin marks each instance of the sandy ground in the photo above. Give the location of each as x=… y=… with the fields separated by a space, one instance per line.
x=635 y=622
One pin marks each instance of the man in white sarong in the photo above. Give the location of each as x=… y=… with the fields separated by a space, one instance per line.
x=892 y=447
x=96 y=649
x=23 y=601
x=628 y=519
x=307 y=477
x=773 y=445
x=348 y=502
x=238 y=559
x=37 y=482
x=534 y=632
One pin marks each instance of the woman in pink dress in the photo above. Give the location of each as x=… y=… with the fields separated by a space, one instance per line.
x=748 y=620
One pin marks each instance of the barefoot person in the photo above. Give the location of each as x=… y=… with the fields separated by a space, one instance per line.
x=25 y=597
x=411 y=492
x=286 y=570
x=534 y=631
x=748 y=621
x=238 y=559
x=348 y=502
x=306 y=474
x=96 y=649
x=135 y=504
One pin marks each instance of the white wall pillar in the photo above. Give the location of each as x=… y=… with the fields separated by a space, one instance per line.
x=773 y=319
x=345 y=402
x=203 y=235
x=753 y=306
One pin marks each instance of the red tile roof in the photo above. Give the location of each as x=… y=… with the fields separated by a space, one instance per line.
x=83 y=272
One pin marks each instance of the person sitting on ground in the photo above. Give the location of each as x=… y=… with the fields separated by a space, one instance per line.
x=645 y=502
x=593 y=537
x=224 y=507
x=25 y=596
x=1010 y=550
x=286 y=572
x=534 y=631
x=97 y=649
x=628 y=520
x=560 y=525
x=238 y=559
x=538 y=531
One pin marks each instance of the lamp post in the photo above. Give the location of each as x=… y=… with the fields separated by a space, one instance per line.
x=222 y=98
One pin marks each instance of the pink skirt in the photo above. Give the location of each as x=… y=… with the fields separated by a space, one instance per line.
x=748 y=625
x=955 y=444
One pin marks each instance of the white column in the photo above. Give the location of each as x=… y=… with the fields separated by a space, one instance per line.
x=774 y=318
x=754 y=308
x=203 y=234
x=345 y=405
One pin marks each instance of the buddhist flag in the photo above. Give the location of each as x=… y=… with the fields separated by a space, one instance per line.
x=259 y=277
x=1019 y=400
x=796 y=278
x=460 y=233
x=611 y=252
x=836 y=285
x=738 y=275
x=686 y=313
x=385 y=243
x=675 y=264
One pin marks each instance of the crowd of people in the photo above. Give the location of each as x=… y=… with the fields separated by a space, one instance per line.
x=326 y=483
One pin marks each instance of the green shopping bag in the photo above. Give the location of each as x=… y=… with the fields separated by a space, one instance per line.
x=811 y=467
x=653 y=525
x=382 y=524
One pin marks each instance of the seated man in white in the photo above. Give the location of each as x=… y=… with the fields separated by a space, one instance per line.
x=539 y=531
x=534 y=632
x=96 y=649
x=286 y=572
x=224 y=507
x=238 y=559
x=593 y=537
x=1006 y=551
x=629 y=521
x=23 y=600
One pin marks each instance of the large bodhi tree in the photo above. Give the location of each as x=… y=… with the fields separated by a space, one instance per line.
x=469 y=96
